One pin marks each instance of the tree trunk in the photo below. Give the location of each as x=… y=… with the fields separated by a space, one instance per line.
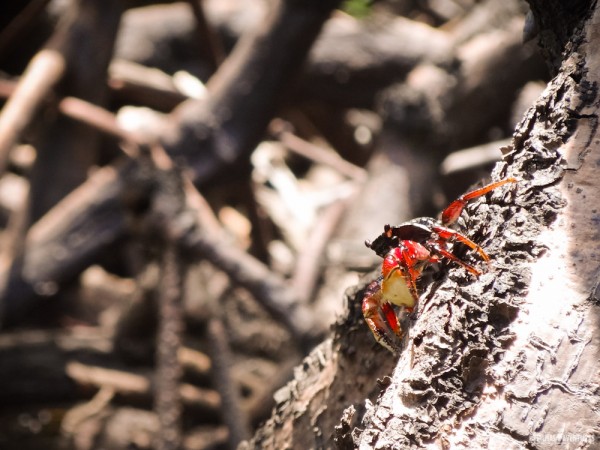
x=507 y=360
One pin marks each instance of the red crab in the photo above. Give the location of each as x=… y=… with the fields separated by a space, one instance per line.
x=408 y=249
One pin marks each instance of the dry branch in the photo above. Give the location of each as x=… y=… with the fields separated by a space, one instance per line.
x=167 y=403
x=137 y=387
x=85 y=39
x=43 y=73
x=355 y=60
x=58 y=249
x=492 y=67
x=59 y=365
x=233 y=414
x=228 y=125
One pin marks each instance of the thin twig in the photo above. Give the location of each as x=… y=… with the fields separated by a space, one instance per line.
x=139 y=84
x=85 y=112
x=167 y=400
x=94 y=116
x=233 y=416
x=169 y=213
x=316 y=153
x=208 y=38
x=308 y=264
x=43 y=72
x=270 y=290
x=136 y=386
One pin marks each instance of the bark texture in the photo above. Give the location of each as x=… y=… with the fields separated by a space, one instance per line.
x=509 y=360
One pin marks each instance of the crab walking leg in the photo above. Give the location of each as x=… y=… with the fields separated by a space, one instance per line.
x=453 y=211
x=371 y=309
x=448 y=234
x=446 y=254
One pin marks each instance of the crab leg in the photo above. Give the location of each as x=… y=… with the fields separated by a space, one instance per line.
x=449 y=234
x=446 y=254
x=453 y=211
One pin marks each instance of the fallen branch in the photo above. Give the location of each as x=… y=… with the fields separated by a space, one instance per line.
x=43 y=73
x=234 y=416
x=227 y=126
x=136 y=387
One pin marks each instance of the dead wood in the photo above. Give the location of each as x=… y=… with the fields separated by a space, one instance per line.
x=168 y=404
x=227 y=126
x=138 y=388
x=212 y=46
x=453 y=102
x=44 y=366
x=87 y=60
x=165 y=36
x=98 y=208
x=341 y=371
x=42 y=75
x=133 y=83
x=61 y=245
x=491 y=69
x=313 y=152
x=57 y=61
x=59 y=156
x=508 y=360
x=53 y=257
x=272 y=291
x=233 y=414
x=354 y=60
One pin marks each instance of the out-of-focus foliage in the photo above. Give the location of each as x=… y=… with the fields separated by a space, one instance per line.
x=357 y=8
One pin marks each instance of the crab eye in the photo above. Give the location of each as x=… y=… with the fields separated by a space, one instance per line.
x=387 y=230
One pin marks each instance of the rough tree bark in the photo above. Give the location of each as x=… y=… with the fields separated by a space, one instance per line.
x=510 y=360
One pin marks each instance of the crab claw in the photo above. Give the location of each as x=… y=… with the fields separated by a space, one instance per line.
x=381 y=318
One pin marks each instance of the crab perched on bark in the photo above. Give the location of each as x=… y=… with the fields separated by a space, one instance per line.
x=407 y=250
